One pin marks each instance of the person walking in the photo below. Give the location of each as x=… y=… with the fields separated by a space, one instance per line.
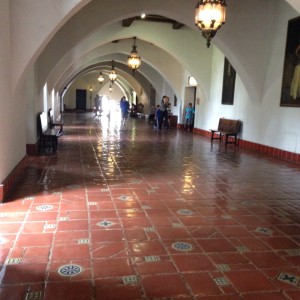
x=124 y=106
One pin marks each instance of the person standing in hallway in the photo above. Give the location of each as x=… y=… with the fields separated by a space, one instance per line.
x=158 y=117
x=124 y=106
x=164 y=109
x=152 y=114
x=169 y=111
x=189 y=117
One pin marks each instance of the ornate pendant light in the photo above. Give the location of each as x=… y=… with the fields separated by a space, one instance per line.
x=100 y=78
x=110 y=87
x=112 y=73
x=134 y=60
x=210 y=15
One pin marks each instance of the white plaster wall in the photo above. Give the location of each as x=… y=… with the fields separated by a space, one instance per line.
x=12 y=116
x=36 y=20
x=265 y=123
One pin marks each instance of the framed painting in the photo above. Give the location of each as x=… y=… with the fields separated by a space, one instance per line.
x=228 y=83
x=290 y=90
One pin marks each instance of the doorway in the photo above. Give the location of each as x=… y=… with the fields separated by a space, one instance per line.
x=80 y=99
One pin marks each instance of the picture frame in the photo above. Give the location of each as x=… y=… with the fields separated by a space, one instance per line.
x=290 y=89
x=229 y=76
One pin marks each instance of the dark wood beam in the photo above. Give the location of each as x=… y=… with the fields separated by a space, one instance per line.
x=153 y=18
x=127 y=22
x=177 y=25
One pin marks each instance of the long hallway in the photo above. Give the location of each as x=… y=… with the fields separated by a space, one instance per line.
x=124 y=212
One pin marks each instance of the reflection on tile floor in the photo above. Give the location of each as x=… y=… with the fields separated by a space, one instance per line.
x=123 y=212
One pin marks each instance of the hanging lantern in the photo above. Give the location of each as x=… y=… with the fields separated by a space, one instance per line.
x=210 y=15
x=110 y=88
x=112 y=73
x=134 y=60
x=100 y=78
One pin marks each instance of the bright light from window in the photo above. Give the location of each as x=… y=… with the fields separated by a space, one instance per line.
x=192 y=81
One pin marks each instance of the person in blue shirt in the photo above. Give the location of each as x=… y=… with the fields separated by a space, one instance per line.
x=158 y=117
x=189 y=117
x=124 y=106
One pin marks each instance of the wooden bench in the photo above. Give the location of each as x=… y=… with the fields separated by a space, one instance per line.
x=228 y=128
x=48 y=136
x=57 y=123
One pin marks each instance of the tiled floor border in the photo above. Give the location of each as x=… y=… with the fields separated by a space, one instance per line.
x=259 y=148
x=12 y=179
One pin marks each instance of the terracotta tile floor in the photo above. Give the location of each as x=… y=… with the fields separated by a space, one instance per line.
x=128 y=213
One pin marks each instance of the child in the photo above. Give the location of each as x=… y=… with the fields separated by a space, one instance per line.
x=189 y=117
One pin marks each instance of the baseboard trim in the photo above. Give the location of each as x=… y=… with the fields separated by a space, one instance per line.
x=259 y=148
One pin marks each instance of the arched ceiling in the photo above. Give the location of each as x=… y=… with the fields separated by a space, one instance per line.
x=157 y=44
x=98 y=23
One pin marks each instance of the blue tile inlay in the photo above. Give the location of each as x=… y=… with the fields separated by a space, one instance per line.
x=69 y=270
x=182 y=246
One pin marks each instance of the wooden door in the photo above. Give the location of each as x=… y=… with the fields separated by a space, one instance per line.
x=80 y=99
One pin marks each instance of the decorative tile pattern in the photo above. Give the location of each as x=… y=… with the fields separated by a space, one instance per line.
x=179 y=199
x=177 y=225
x=222 y=281
x=34 y=295
x=49 y=226
x=149 y=229
x=4 y=215
x=226 y=217
x=152 y=258
x=129 y=279
x=105 y=223
x=124 y=198
x=56 y=193
x=44 y=207
x=83 y=241
x=70 y=270
x=223 y=267
x=14 y=261
x=242 y=249
x=182 y=246
x=136 y=181
x=146 y=207
x=29 y=198
x=263 y=230
x=185 y=212
x=288 y=278
x=293 y=252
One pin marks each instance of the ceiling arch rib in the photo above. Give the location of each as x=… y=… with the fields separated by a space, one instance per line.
x=124 y=77
x=88 y=18
x=158 y=62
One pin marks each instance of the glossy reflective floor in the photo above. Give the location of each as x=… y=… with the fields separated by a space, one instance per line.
x=124 y=212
